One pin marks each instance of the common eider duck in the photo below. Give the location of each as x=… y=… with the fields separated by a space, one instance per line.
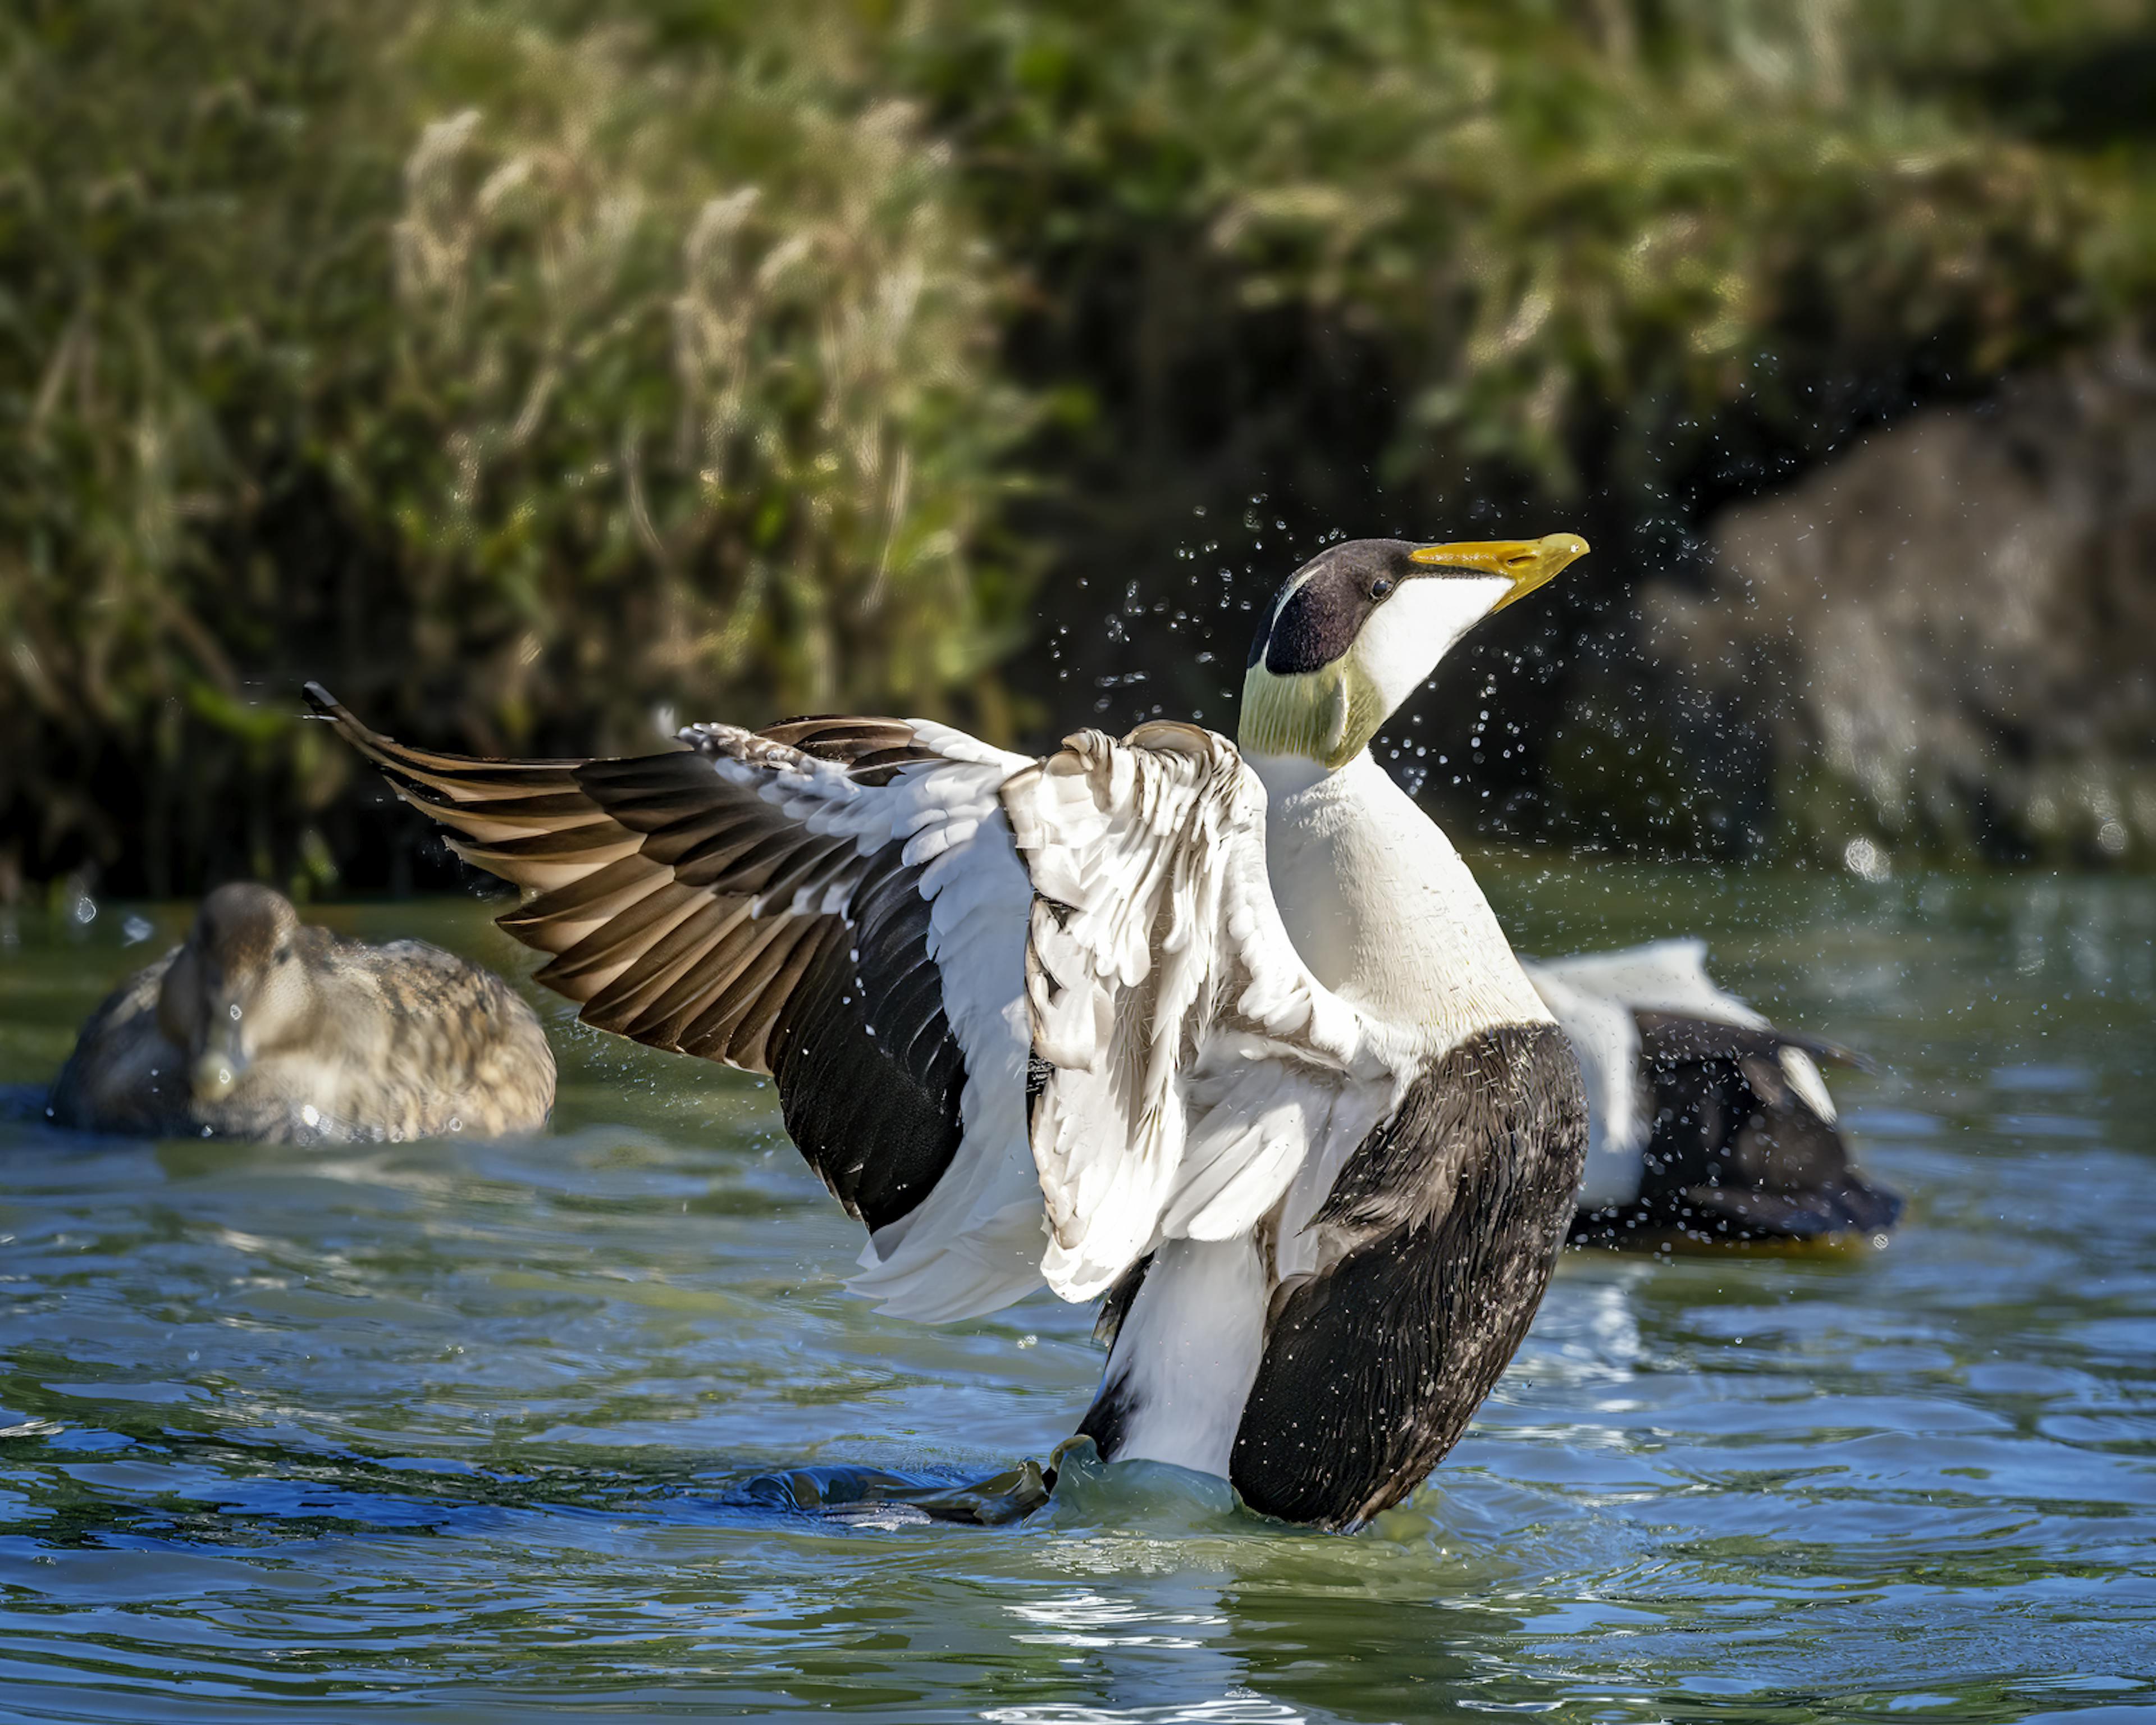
x=1704 y=1121
x=260 y=1026
x=1227 y=1036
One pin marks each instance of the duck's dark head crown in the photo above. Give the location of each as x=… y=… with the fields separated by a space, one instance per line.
x=1316 y=615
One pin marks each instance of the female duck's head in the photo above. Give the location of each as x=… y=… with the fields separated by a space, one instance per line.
x=1360 y=626
x=240 y=986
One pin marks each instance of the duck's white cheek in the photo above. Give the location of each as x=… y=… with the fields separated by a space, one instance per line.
x=1406 y=636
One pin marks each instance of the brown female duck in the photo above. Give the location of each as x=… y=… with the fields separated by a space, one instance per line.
x=260 y=1026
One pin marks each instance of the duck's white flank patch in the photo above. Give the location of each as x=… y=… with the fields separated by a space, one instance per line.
x=1605 y=1039
x=1188 y=1351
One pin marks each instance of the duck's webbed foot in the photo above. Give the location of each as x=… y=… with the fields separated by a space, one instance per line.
x=854 y=1494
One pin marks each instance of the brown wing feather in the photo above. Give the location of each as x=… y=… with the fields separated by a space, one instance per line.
x=555 y=921
x=662 y=889
x=666 y=896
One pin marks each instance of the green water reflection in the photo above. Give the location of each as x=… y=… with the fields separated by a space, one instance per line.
x=474 y=1429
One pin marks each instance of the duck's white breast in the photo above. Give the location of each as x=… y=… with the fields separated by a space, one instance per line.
x=1381 y=907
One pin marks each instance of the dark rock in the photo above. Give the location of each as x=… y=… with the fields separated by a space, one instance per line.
x=1943 y=641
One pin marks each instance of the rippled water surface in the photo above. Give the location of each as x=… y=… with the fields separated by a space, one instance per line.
x=476 y=1429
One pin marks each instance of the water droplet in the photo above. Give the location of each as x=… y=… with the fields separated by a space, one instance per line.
x=1865 y=860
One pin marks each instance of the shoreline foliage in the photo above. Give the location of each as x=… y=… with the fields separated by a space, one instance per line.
x=531 y=374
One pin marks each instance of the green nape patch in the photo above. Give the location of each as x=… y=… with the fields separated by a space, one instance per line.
x=1329 y=714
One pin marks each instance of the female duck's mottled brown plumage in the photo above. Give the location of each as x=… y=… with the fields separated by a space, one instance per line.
x=261 y=1027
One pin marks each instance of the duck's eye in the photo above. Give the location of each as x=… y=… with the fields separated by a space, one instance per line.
x=284 y=955
x=1381 y=586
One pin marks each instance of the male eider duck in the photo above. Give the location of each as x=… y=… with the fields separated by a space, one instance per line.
x=1703 y=1119
x=260 y=1026
x=1230 y=1037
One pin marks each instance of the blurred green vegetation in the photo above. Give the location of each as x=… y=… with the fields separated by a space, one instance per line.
x=519 y=382
x=531 y=373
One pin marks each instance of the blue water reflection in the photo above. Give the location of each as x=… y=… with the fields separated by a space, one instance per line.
x=481 y=1429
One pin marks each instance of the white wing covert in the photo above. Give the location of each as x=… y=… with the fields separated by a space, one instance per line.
x=1186 y=1066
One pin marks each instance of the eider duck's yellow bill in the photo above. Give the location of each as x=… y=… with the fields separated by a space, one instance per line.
x=1526 y=563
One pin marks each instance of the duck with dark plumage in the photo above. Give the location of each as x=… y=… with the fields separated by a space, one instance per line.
x=260 y=1026
x=1704 y=1121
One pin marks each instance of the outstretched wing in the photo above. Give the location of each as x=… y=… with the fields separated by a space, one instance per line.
x=1188 y=1067
x=833 y=901
x=888 y=916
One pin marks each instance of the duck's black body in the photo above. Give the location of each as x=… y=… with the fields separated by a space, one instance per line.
x=1439 y=1236
x=1451 y=1214
x=1737 y=1154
